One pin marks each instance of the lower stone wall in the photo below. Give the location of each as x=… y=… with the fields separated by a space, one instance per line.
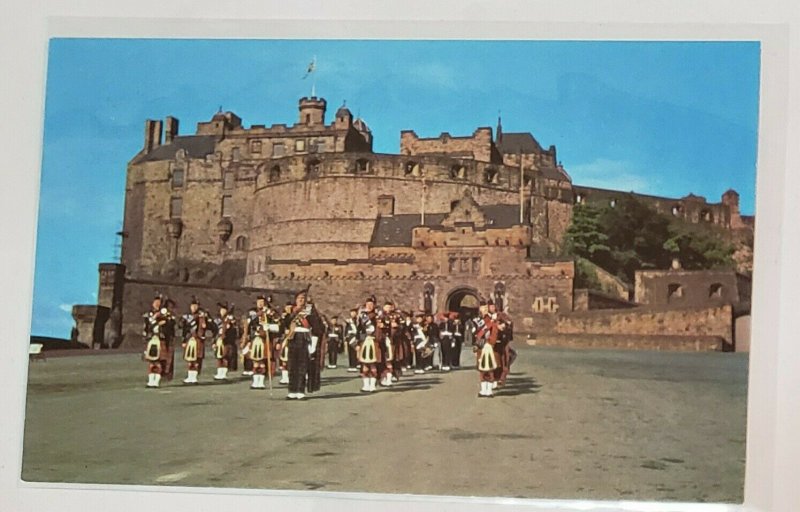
x=690 y=323
x=630 y=342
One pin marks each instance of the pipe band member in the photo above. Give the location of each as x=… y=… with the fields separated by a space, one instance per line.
x=484 y=341
x=335 y=342
x=159 y=328
x=351 y=341
x=369 y=348
x=303 y=332
x=193 y=328
x=226 y=335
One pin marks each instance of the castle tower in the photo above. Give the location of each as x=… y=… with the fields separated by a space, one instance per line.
x=312 y=111
x=731 y=199
x=344 y=118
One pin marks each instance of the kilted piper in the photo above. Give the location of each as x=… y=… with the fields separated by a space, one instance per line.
x=301 y=325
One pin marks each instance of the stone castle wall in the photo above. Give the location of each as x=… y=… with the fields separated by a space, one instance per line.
x=710 y=321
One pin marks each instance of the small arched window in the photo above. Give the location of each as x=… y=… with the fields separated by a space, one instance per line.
x=490 y=175
x=674 y=292
x=715 y=291
x=241 y=243
x=362 y=165
x=275 y=173
x=312 y=168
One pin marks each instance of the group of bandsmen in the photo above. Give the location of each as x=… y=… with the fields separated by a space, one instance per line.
x=293 y=343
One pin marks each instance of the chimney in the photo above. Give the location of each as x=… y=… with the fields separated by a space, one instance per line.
x=152 y=135
x=170 y=129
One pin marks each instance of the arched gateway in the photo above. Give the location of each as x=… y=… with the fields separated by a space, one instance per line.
x=464 y=301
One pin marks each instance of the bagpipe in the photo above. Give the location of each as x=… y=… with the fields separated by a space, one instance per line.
x=197 y=326
x=481 y=333
x=152 y=333
x=219 y=344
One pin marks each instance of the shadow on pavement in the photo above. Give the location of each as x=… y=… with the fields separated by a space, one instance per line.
x=519 y=386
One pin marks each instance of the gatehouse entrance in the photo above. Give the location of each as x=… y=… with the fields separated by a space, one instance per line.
x=463 y=301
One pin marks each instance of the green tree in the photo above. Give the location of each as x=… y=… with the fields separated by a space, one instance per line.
x=585 y=236
x=632 y=236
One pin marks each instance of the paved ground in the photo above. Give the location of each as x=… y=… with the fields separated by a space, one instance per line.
x=570 y=424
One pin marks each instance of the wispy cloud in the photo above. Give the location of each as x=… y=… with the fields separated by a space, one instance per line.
x=433 y=74
x=67 y=308
x=616 y=175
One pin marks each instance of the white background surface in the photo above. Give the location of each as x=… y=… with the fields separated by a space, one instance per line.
x=773 y=452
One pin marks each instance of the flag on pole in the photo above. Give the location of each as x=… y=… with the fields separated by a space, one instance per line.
x=312 y=66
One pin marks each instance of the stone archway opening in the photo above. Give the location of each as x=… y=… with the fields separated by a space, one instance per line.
x=463 y=301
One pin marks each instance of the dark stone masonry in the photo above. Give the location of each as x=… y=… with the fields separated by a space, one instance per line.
x=229 y=212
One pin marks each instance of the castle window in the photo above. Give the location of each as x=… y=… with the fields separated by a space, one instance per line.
x=613 y=203
x=452 y=264
x=177 y=178
x=318 y=146
x=228 y=180
x=412 y=168
x=715 y=291
x=579 y=199
x=175 y=207
x=476 y=265
x=490 y=176
x=706 y=216
x=241 y=243
x=674 y=292
x=300 y=145
x=227 y=206
x=453 y=205
x=255 y=146
x=275 y=173
x=458 y=172
x=362 y=165
x=312 y=168
x=278 y=149
x=308 y=118
x=465 y=264
x=676 y=210
x=236 y=153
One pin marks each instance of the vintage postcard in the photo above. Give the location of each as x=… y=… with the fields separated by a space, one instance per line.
x=456 y=268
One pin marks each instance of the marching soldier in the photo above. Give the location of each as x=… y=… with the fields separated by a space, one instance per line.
x=484 y=340
x=502 y=349
x=458 y=341
x=399 y=337
x=226 y=335
x=158 y=331
x=351 y=340
x=433 y=341
x=282 y=348
x=448 y=342
x=335 y=343
x=193 y=328
x=407 y=326
x=262 y=325
x=422 y=345
x=386 y=362
x=303 y=331
x=316 y=352
x=369 y=346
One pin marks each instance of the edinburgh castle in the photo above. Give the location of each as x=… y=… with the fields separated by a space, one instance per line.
x=230 y=212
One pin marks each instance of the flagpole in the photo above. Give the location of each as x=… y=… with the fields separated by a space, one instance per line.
x=314 y=78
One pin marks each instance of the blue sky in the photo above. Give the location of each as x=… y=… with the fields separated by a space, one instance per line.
x=664 y=118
